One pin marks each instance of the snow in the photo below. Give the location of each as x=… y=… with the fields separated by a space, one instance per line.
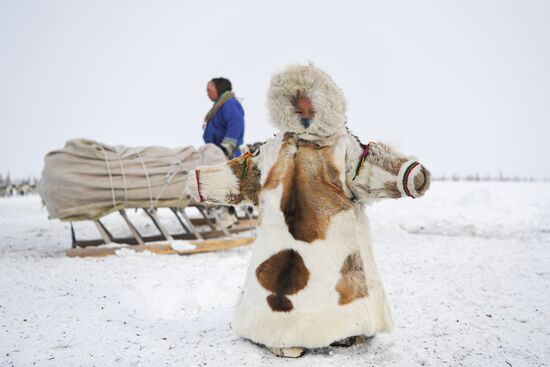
x=182 y=246
x=467 y=270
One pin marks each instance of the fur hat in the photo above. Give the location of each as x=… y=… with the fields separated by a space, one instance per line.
x=327 y=98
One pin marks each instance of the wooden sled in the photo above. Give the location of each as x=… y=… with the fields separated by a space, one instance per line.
x=214 y=238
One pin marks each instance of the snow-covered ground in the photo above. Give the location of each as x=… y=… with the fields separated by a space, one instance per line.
x=467 y=269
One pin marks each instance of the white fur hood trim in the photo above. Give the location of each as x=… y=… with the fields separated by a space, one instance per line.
x=327 y=99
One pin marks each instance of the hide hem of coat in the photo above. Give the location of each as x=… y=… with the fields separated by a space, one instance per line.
x=297 y=328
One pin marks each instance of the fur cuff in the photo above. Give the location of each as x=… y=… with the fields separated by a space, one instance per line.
x=214 y=184
x=413 y=179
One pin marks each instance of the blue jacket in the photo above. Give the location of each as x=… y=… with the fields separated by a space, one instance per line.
x=228 y=122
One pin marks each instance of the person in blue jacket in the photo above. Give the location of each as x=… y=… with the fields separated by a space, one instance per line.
x=224 y=123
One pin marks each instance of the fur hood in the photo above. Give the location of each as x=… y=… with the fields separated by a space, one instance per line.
x=328 y=102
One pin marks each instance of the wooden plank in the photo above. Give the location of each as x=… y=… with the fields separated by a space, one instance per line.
x=218 y=244
x=163 y=248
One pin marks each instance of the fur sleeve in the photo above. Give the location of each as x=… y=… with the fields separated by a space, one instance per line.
x=233 y=182
x=377 y=171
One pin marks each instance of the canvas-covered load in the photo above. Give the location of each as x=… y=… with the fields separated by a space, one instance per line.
x=87 y=179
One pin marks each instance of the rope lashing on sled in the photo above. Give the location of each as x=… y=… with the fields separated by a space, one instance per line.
x=123 y=176
x=246 y=157
x=113 y=195
x=147 y=177
x=168 y=179
x=362 y=161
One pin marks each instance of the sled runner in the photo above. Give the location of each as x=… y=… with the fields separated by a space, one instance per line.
x=162 y=248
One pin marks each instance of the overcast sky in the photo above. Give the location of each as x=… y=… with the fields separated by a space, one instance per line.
x=464 y=85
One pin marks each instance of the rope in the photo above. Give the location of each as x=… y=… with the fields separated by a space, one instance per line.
x=184 y=188
x=169 y=177
x=123 y=176
x=174 y=170
x=110 y=176
x=147 y=177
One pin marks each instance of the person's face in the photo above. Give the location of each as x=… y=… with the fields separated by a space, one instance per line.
x=304 y=108
x=211 y=91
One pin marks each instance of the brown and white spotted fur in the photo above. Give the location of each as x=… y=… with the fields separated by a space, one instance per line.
x=312 y=279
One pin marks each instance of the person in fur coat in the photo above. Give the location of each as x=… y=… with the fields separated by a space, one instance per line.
x=312 y=280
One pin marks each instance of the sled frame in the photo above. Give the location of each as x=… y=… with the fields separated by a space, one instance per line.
x=190 y=226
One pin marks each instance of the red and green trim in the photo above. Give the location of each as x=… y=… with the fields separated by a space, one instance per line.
x=198 y=176
x=406 y=175
x=362 y=160
x=246 y=157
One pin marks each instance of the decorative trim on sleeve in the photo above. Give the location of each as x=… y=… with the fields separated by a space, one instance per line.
x=245 y=159
x=197 y=176
x=405 y=178
x=362 y=160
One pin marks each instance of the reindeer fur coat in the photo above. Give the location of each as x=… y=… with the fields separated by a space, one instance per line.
x=312 y=278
